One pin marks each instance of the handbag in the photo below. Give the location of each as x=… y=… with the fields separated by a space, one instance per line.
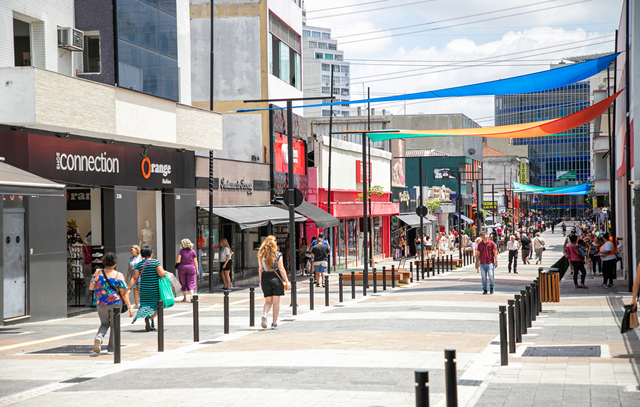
x=166 y=293
x=124 y=304
x=630 y=319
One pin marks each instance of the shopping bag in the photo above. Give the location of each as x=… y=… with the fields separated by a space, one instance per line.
x=629 y=320
x=175 y=285
x=166 y=295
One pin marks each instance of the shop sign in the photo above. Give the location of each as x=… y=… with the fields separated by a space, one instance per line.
x=565 y=175
x=282 y=154
x=443 y=173
x=404 y=197
x=523 y=173
x=489 y=205
x=78 y=199
x=238 y=185
x=359 y=175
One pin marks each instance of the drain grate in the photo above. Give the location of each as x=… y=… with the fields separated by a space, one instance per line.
x=70 y=350
x=210 y=342
x=78 y=380
x=469 y=382
x=564 y=351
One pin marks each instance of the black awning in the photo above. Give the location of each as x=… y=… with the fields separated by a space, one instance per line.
x=14 y=181
x=413 y=220
x=248 y=217
x=321 y=218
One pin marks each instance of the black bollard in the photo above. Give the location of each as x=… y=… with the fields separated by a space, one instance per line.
x=439 y=264
x=512 y=326
x=504 y=354
x=353 y=285
x=326 y=290
x=532 y=292
x=427 y=268
x=450 y=377
x=523 y=312
x=422 y=388
x=539 y=301
x=116 y=336
x=160 y=326
x=226 y=312
x=365 y=282
x=536 y=299
x=518 y=324
x=384 y=278
x=252 y=306
x=410 y=272
x=375 y=280
x=450 y=264
x=340 y=289
x=528 y=308
x=196 y=316
x=311 y=305
x=393 y=276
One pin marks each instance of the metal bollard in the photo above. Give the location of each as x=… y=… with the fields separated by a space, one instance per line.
x=512 y=326
x=116 y=336
x=384 y=278
x=504 y=355
x=539 y=300
x=353 y=285
x=411 y=272
x=450 y=262
x=226 y=312
x=160 y=326
x=393 y=276
x=311 y=305
x=532 y=289
x=340 y=289
x=375 y=280
x=428 y=266
x=326 y=290
x=528 y=308
x=523 y=312
x=537 y=297
x=450 y=378
x=439 y=264
x=365 y=282
x=252 y=306
x=518 y=325
x=196 y=316
x=422 y=388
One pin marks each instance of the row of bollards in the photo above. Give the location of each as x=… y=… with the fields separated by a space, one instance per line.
x=431 y=267
x=522 y=310
x=450 y=382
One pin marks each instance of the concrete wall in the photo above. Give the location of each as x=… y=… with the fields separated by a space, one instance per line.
x=180 y=214
x=45 y=18
x=504 y=169
x=97 y=15
x=47 y=269
x=233 y=171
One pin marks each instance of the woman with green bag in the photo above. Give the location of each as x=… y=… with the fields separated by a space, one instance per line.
x=150 y=273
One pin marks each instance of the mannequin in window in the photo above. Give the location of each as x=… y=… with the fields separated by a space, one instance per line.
x=148 y=237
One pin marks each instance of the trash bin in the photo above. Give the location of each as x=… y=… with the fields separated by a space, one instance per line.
x=549 y=285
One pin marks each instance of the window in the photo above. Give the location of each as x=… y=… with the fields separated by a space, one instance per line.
x=326 y=89
x=319 y=55
x=325 y=113
x=344 y=68
x=315 y=34
x=346 y=104
x=91 y=54
x=336 y=80
x=284 y=62
x=322 y=45
x=284 y=58
x=326 y=36
x=21 y=43
x=147 y=47
x=313 y=44
x=345 y=113
x=326 y=78
x=327 y=100
x=336 y=91
x=338 y=57
x=345 y=80
x=344 y=92
x=336 y=68
x=332 y=46
x=306 y=33
x=328 y=56
x=326 y=67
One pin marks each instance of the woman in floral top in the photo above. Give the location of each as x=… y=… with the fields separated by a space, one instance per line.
x=107 y=299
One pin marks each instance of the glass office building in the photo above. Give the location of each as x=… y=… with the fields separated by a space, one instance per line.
x=554 y=155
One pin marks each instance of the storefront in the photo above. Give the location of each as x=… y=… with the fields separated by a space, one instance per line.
x=118 y=194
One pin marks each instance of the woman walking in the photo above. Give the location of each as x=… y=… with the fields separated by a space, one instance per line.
x=149 y=271
x=133 y=260
x=273 y=279
x=428 y=246
x=187 y=265
x=225 y=264
x=418 y=245
x=577 y=261
x=110 y=290
x=538 y=247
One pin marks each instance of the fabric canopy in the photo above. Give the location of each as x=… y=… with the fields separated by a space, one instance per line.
x=321 y=218
x=248 y=217
x=581 y=189
x=413 y=220
x=535 y=82
x=14 y=181
x=522 y=130
x=464 y=218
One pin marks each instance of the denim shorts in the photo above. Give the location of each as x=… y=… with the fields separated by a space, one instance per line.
x=319 y=269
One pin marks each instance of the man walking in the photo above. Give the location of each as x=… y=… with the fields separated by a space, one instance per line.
x=320 y=256
x=513 y=245
x=486 y=260
x=526 y=247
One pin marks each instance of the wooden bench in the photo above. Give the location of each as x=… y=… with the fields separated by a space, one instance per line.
x=401 y=276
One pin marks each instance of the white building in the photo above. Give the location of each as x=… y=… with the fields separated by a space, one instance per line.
x=320 y=54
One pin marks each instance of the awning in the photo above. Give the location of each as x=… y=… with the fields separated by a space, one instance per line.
x=321 y=218
x=464 y=218
x=413 y=220
x=14 y=181
x=253 y=216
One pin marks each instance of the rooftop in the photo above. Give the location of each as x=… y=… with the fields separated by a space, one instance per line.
x=492 y=152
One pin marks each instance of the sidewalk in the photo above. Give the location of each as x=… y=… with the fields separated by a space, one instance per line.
x=362 y=352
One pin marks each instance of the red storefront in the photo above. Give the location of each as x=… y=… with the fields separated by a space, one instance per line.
x=348 y=236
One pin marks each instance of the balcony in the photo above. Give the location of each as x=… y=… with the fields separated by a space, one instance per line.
x=600 y=144
x=600 y=186
x=40 y=99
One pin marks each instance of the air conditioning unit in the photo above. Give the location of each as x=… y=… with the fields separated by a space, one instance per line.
x=70 y=38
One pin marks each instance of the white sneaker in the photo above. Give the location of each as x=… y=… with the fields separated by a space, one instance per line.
x=263 y=324
x=96 y=346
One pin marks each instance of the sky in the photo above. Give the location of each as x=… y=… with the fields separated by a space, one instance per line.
x=459 y=42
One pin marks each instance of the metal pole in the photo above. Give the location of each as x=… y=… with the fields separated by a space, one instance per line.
x=365 y=222
x=226 y=312
x=160 y=326
x=211 y=87
x=196 y=318
x=523 y=312
x=512 y=326
x=459 y=214
x=421 y=217
x=422 y=388
x=292 y=208
x=369 y=183
x=117 y=347
x=375 y=280
x=393 y=276
x=627 y=155
x=326 y=290
x=612 y=144
x=410 y=272
x=331 y=239
x=340 y=289
x=450 y=377
x=353 y=285
x=311 y=304
x=252 y=306
x=384 y=278
x=494 y=205
x=504 y=355
x=518 y=319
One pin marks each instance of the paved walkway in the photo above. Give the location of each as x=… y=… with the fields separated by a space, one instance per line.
x=361 y=352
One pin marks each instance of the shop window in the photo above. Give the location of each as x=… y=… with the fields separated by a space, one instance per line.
x=91 y=54
x=21 y=43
